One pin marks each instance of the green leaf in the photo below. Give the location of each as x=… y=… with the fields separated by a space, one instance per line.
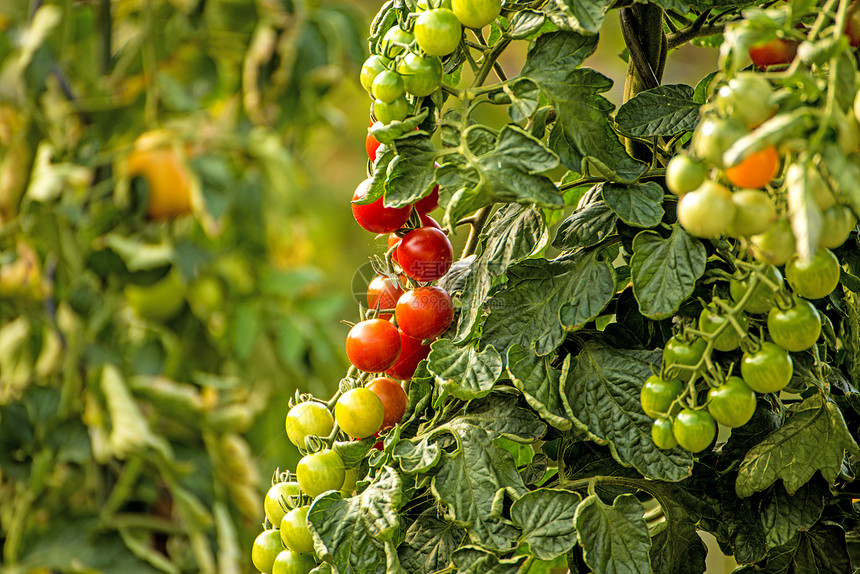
x=515 y=232
x=557 y=53
x=417 y=455
x=664 y=271
x=546 y=517
x=472 y=560
x=524 y=23
x=539 y=383
x=543 y=299
x=806 y=217
x=845 y=174
x=614 y=538
x=584 y=115
x=814 y=438
x=410 y=175
x=130 y=430
x=464 y=372
x=663 y=111
x=500 y=414
x=524 y=95
x=384 y=156
x=676 y=547
x=586 y=17
x=592 y=222
x=602 y=391
x=820 y=550
x=389 y=133
x=639 y=205
x=784 y=515
x=139 y=256
x=429 y=544
x=353 y=452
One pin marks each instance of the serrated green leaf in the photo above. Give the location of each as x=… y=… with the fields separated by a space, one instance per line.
x=473 y=560
x=614 y=538
x=557 y=53
x=388 y=133
x=524 y=23
x=814 y=438
x=546 y=517
x=353 y=452
x=820 y=550
x=581 y=16
x=602 y=391
x=384 y=156
x=409 y=176
x=464 y=372
x=676 y=547
x=663 y=111
x=543 y=299
x=515 y=232
x=417 y=455
x=500 y=414
x=639 y=204
x=592 y=222
x=784 y=515
x=524 y=95
x=539 y=383
x=429 y=544
x=664 y=271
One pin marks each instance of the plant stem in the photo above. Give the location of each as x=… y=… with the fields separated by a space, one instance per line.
x=479 y=219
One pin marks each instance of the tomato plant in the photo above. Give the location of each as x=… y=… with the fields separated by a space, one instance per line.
x=684 y=174
x=756 y=170
x=662 y=434
x=421 y=76
x=755 y=213
x=168 y=179
x=682 y=352
x=729 y=339
x=761 y=299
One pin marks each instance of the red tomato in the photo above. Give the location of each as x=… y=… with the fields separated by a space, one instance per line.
x=427 y=221
x=373 y=345
x=371 y=144
x=756 y=170
x=384 y=292
x=852 y=23
x=375 y=217
x=428 y=203
x=424 y=312
x=773 y=52
x=425 y=254
x=393 y=399
x=412 y=351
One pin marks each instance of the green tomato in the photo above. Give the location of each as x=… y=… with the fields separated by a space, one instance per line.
x=387 y=86
x=662 y=434
x=295 y=533
x=476 y=13
x=714 y=136
x=767 y=370
x=733 y=403
x=747 y=97
x=684 y=174
x=421 y=76
x=776 y=245
x=836 y=225
x=694 y=430
x=320 y=472
x=395 y=111
x=438 y=31
x=710 y=320
x=755 y=213
x=158 y=302
x=761 y=299
x=657 y=395
x=359 y=413
x=679 y=351
x=265 y=549
x=395 y=41
x=371 y=68
x=308 y=419
x=794 y=329
x=281 y=497
x=289 y=562
x=707 y=212
x=815 y=278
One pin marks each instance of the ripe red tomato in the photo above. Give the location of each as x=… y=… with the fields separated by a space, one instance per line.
x=371 y=144
x=428 y=203
x=774 y=52
x=411 y=353
x=425 y=254
x=756 y=170
x=393 y=399
x=424 y=312
x=427 y=221
x=373 y=345
x=375 y=217
x=384 y=293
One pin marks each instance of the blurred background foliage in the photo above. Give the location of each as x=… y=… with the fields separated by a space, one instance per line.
x=146 y=362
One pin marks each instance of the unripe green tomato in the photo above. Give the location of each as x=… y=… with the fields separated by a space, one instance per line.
x=776 y=245
x=767 y=370
x=282 y=495
x=815 y=278
x=394 y=41
x=836 y=225
x=662 y=435
x=710 y=320
x=371 y=68
x=694 y=430
x=159 y=302
x=289 y=562
x=265 y=550
x=848 y=133
x=762 y=298
x=387 y=86
x=747 y=97
x=421 y=76
x=678 y=351
x=295 y=533
x=755 y=213
x=476 y=13
x=437 y=31
x=308 y=419
x=359 y=413
x=398 y=110
x=818 y=187
x=733 y=403
x=657 y=395
x=320 y=472
x=796 y=328
x=714 y=136
x=707 y=212
x=684 y=174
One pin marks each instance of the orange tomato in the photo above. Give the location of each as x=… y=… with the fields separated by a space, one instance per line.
x=168 y=178
x=757 y=170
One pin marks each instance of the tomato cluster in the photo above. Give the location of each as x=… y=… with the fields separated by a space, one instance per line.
x=732 y=184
